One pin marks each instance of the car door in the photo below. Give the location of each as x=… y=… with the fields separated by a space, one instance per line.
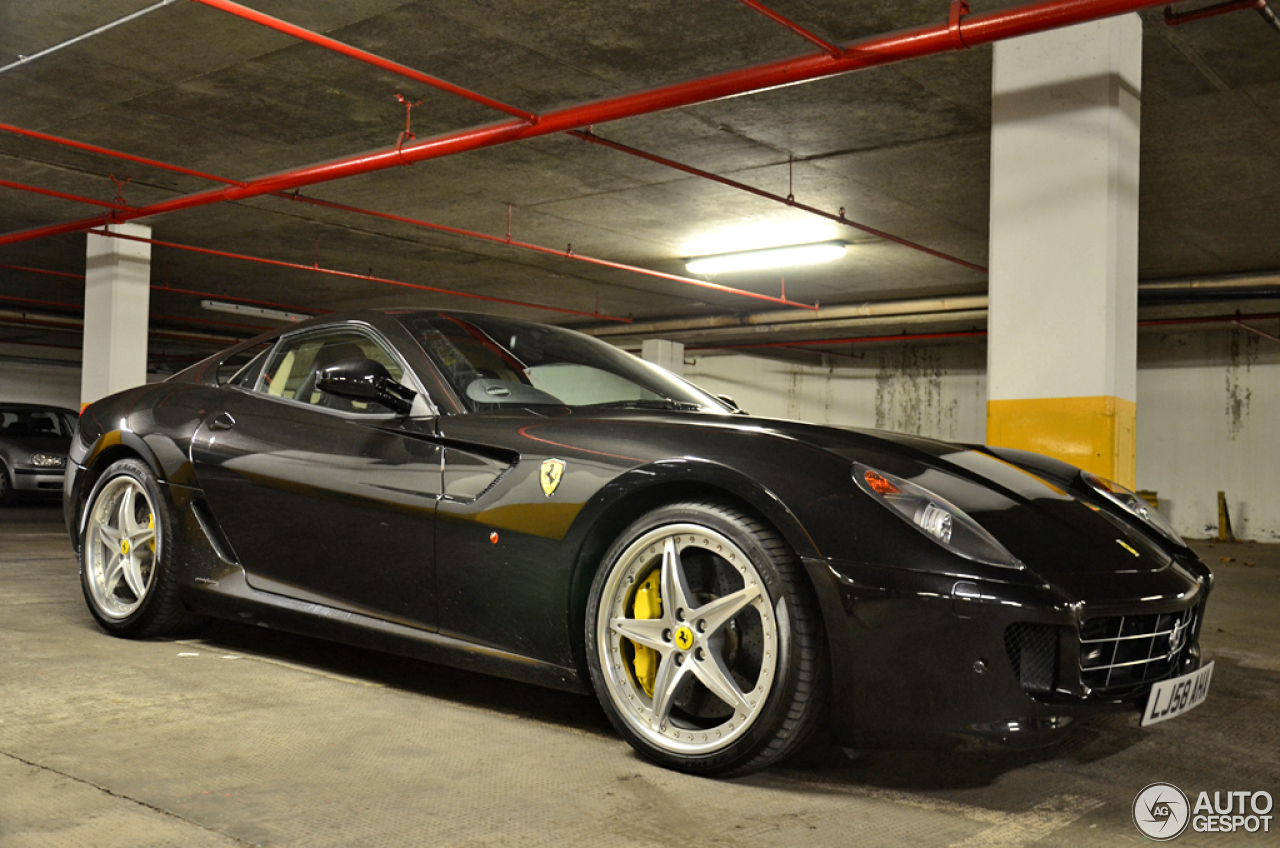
x=323 y=498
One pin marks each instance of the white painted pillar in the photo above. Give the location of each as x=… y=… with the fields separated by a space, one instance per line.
x=1062 y=352
x=117 y=302
x=670 y=355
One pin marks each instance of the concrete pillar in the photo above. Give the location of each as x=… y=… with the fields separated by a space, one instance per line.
x=1062 y=352
x=117 y=302
x=670 y=355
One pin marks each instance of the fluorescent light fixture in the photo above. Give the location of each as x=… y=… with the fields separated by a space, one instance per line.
x=787 y=256
x=254 y=311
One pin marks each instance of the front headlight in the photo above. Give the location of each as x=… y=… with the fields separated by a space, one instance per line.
x=48 y=460
x=1133 y=504
x=934 y=516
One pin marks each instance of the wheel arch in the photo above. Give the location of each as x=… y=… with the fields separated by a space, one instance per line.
x=647 y=488
x=111 y=447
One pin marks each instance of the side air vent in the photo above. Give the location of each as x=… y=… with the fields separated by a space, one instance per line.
x=217 y=541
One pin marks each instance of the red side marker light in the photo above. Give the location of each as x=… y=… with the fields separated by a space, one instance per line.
x=880 y=485
x=493 y=537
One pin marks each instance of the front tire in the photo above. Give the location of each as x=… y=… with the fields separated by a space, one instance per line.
x=704 y=641
x=6 y=487
x=127 y=555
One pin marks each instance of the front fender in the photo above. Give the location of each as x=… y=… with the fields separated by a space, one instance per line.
x=672 y=479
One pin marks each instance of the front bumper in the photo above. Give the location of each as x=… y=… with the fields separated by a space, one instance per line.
x=921 y=659
x=38 y=480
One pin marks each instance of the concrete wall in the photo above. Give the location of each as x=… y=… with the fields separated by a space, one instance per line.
x=26 y=382
x=1209 y=421
x=936 y=390
x=1208 y=410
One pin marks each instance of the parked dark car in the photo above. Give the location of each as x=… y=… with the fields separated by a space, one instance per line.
x=528 y=501
x=33 y=449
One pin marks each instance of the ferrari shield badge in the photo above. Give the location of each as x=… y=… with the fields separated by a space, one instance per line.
x=552 y=471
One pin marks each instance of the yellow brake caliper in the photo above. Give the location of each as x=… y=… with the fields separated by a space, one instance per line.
x=151 y=525
x=647 y=604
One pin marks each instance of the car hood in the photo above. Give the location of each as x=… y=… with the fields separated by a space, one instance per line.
x=1061 y=538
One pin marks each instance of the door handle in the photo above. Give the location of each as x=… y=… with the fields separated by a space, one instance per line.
x=222 y=421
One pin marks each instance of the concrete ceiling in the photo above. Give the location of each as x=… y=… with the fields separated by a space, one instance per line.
x=903 y=148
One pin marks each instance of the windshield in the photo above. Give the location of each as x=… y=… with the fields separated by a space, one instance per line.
x=35 y=422
x=494 y=362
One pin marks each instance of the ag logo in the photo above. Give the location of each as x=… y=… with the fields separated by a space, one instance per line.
x=552 y=471
x=1161 y=812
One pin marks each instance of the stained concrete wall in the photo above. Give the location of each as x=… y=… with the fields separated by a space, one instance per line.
x=930 y=390
x=1209 y=421
x=1208 y=410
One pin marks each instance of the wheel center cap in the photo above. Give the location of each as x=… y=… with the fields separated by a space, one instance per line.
x=684 y=638
x=124 y=546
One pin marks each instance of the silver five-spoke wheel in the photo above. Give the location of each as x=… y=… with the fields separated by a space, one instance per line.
x=120 y=547
x=691 y=663
x=702 y=640
x=128 y=544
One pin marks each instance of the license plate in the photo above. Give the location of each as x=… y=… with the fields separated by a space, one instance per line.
x=1172 y=698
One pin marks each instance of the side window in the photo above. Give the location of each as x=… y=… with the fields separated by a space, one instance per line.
x=241 y=369
x=290 y=372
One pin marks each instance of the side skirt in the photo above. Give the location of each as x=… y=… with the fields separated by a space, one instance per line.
x=230 y=597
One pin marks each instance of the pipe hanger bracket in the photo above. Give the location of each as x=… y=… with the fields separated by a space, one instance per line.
x=959 y=8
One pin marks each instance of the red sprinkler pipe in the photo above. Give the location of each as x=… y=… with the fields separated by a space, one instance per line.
x=363 y=55
x=793 y=26
x=563 y=254
x=588 y=135
x=42 y=271
x=440 y=227
x=63 y=195
x=316 y=269
x=80 y=307
x=168 y=288
x=967 y=31
x=93 y=148
x=76 y=325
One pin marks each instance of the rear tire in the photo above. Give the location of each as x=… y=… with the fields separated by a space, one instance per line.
x=127 y=555
x=704 y=642
x=6 y=487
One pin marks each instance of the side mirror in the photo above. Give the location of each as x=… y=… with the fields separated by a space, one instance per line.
x=365 y=380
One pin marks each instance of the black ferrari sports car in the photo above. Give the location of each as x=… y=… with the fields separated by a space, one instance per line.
x=528 y=501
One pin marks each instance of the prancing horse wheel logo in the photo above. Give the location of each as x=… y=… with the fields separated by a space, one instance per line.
x=552 y=471
x=684 y=638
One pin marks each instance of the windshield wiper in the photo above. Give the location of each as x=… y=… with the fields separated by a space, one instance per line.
x=656 y=403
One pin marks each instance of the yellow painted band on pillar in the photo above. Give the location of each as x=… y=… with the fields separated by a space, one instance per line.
x=1098 y=434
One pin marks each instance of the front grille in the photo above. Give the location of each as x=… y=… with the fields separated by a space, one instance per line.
x=1033 y=650
x=1125 y=651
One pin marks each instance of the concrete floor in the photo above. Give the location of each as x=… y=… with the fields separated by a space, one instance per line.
x=245 y=737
